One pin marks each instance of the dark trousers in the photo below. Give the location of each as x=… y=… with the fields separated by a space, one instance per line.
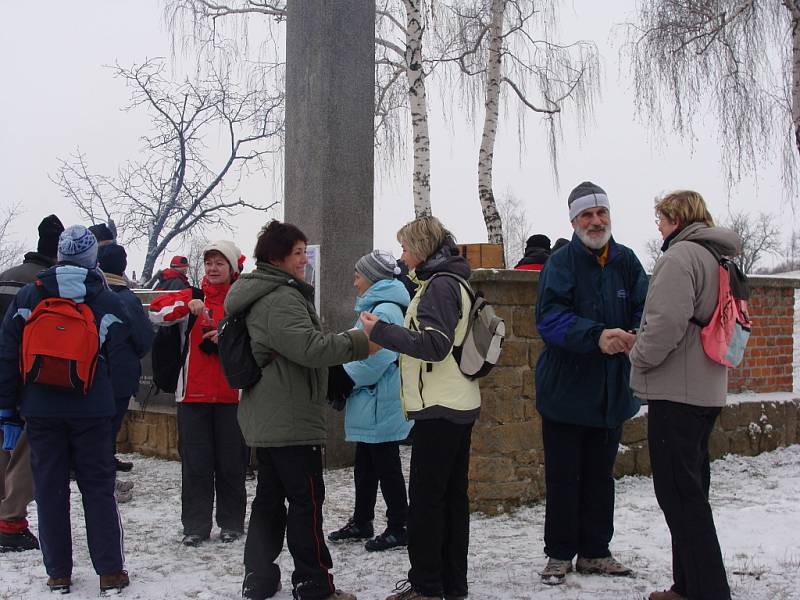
x=292 y=473
x=380 y=464
x=212 y=453
x=116 y=422
x=438 y=517
x=83 y=442
x=579 y=475
x=678 y=440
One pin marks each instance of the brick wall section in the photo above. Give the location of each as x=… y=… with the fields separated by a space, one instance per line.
x=507 y=465
x=767 y=366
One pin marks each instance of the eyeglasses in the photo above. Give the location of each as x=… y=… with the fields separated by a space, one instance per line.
x=660 y=218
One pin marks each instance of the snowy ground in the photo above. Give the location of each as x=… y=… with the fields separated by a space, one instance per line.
x=755 y=504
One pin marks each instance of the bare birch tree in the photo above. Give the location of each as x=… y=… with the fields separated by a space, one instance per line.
x=738 y=60
x=505 y=50
x=176 y=188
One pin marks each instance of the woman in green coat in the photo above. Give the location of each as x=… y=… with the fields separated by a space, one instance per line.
x=283 y=415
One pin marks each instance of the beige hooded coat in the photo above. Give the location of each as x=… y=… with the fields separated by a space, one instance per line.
x=668 y=361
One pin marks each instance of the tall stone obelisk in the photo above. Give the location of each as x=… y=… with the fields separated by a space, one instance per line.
x=330 y=87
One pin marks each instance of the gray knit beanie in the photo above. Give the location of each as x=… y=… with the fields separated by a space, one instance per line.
x=586 y=195
x=79 y=246
x=377 y=265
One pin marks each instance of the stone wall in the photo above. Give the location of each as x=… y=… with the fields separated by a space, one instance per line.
x=507 y=465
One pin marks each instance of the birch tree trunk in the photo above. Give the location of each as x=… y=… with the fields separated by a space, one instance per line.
x=491 y=217
x=418 y=104
x=794 y=10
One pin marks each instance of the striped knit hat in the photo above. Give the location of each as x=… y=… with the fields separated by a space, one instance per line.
x=586 y=195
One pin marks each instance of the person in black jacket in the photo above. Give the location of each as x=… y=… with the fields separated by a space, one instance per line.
x=113 y=262
x=16 y=480
x=537 y=251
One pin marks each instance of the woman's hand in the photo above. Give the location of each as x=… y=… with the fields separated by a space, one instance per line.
x=196 y=306
x=368 y=320
x=212 y=335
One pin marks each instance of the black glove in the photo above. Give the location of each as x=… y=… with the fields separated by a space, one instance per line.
x=339 y=387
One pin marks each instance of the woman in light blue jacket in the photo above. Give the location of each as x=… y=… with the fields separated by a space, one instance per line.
x=374 y=416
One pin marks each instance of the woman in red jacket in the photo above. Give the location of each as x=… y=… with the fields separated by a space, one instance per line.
x=212 y=450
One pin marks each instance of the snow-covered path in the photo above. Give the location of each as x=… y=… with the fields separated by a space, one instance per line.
x=755 y=503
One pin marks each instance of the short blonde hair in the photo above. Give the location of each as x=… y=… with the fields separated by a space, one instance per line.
x=686 y=207
x=423 y=236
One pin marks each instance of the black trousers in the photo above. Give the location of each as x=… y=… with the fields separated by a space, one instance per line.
x=438 y=518
x=380 y=464
x=678 y=440
x=56 y=445
x=292 y=473
x=116 y=421
x=212 y=453
x=579 y=475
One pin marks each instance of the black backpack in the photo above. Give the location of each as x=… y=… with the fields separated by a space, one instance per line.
x=170 y=348
x=237 y=360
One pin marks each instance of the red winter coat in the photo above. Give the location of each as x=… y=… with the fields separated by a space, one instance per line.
x=201 y=379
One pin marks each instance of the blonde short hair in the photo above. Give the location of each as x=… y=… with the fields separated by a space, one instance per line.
x=686 y=207
x=423 y=236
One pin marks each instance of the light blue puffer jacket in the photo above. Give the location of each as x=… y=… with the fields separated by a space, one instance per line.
x=374 y=413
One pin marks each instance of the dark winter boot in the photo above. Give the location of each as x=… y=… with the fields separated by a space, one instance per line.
x=388 y=539
x=256 y=587
x=114 y=581
x=352 y=531
x=19 y=541
x=59 y=584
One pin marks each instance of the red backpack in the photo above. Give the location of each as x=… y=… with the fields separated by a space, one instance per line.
x=60 y=345
x=726 y=333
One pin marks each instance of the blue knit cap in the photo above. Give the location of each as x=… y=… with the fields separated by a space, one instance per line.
x=79 y=246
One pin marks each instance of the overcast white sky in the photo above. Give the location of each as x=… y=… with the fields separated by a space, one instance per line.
x=58 y=96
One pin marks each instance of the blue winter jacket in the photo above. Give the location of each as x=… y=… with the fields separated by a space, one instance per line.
x=575 y=382
x=34 y=400
x=126 y=379
x=374 y=413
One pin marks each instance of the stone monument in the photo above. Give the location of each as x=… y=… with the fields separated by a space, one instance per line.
x=330 y=86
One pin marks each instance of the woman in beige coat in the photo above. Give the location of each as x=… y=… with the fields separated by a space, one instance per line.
x=685 y=390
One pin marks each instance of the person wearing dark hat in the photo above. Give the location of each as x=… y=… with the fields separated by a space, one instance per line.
x=560 y=243
x=591 y=298
x=174 y=278
x=537 y=251
x=113 y=262
x=68 y=427
x=373 y=413
x=103 y=234
x=16 y=480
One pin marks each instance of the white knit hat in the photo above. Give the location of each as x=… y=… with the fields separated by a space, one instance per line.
x=229 y=250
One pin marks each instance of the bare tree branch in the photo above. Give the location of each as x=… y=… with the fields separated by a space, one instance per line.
x=174 y=189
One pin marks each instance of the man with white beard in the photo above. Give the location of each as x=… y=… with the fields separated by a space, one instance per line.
x=591 y=296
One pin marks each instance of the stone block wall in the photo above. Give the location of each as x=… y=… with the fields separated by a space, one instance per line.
x=507 y=464
x=149 y=433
